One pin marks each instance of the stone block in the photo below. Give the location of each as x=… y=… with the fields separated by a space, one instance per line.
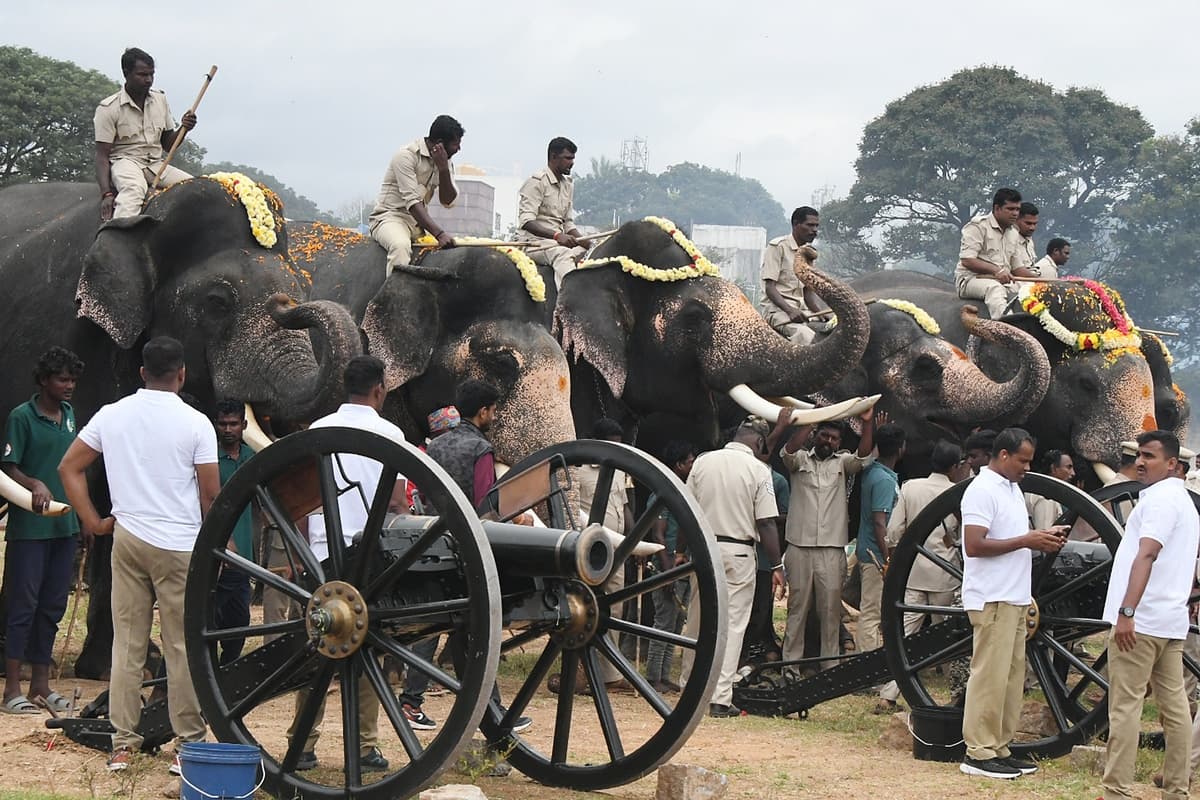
x=687 y=782
x=453 y=791
x=1089 y=758
x=1037 y=720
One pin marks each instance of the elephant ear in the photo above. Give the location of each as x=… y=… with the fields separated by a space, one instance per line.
x=401 y=326
x=117 y=283
x=594 y=320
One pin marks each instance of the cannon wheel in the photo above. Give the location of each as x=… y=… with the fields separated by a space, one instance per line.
x=642 y=742
x=1072 y=686
x=284 y=656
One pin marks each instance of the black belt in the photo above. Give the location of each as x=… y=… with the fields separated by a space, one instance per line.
x=731 y=540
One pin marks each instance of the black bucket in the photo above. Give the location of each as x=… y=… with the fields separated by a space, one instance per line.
x=937 y=733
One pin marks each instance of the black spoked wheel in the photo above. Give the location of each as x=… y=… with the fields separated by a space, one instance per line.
x=605 y=739
x=1066 y=689
x=374 y=599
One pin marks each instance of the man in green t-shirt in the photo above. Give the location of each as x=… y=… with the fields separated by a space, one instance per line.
x=40 y=550
x=233 y=586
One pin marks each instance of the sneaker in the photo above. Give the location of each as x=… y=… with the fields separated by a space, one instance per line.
x=989 y=768
x=120 y=759
x=306 y=761
x=720 y=710
x=522 y=724
x=175 y=767
x=417 y=718
x=1026 y=767
x=373 y=761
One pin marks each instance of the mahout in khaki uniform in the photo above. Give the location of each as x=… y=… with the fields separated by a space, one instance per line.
x=787 y=302
x=546 y=210
x=987 y=253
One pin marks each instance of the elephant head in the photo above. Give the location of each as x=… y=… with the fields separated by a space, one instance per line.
x=462 y=314
x=190 y=268
x=1172 y=410
x=663 y=342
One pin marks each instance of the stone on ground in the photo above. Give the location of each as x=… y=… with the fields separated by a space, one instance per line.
x=896 y=735
x=1089 y=757
x=1037 y=720
x=687 y=782
x=453 y=791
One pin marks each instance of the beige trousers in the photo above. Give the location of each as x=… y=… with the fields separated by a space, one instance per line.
x=912 y=624
x=814 y=573
x=868 y=636
x=740 y=564
x=562 y=259
x=691 y=628
x=995 y=295
x=396 y=234
x=131 y=181
x=277 y=606
x=142 y=572
x=616 y=580
x=1158 y=662
x=368 y=718
x=797 y=332
x=995 y=688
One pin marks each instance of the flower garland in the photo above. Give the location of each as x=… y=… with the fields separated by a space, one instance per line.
x=927 y=323
x=699 y=267
x=1123 y=336
x=254 y=197
x=1119 y=318
x=529 y=271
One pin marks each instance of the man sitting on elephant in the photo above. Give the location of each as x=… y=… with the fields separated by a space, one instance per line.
x=414 y=173
x=988 y=257
x=546 y=210
x=133 y=128
x=1057 y=252
x=786 y=301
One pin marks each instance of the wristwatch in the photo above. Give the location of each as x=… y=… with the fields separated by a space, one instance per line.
x=1125 y=611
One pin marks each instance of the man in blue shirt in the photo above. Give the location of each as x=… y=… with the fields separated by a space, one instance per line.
x=880 y=488
x=233 y=585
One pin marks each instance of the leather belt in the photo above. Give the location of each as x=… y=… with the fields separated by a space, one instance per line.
x=742 y=542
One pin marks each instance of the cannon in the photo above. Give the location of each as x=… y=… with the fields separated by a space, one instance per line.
x=541 y=597
x=1065 y=644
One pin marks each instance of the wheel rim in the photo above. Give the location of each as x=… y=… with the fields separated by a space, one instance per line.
x=352 y=622
x=548 y=751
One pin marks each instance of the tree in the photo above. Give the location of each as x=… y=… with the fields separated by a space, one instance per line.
x=934 y=158
x=46 y=110
x=295 y=205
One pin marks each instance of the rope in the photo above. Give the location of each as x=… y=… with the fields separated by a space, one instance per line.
x=908 y=724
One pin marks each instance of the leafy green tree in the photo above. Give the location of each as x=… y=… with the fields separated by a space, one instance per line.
x=295 y=205
x=46 y=110
x=936 y=155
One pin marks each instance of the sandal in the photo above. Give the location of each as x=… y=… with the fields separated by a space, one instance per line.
x=57 y=702
x=19 y=705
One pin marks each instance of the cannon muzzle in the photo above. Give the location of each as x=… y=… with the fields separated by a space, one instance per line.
x=543 y=552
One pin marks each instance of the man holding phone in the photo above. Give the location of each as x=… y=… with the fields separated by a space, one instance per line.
x=415 y=172
x=996 y=591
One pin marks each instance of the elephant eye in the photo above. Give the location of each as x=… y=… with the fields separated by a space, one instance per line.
x=926 y=368
x=1088 y=385
x=217 y=303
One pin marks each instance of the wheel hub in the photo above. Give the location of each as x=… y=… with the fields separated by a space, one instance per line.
x=583 y=616
x=1033 y=620
x=336 y=619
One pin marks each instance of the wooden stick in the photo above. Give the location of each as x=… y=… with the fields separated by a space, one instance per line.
x=595 y=237
x=1043 y=280
x=494 y=243
x=62 y=655
x=1158 y=333
x=179 y=137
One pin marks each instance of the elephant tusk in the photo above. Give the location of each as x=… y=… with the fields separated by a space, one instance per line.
x=1104 y=472
x=501 y=469
x=758 y=405
x=792 y=402
x=21 y=497
x=254 y=436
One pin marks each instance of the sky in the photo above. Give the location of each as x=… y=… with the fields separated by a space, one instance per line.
x=322 y=94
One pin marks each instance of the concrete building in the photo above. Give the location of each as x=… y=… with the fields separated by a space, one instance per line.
x=737 y=250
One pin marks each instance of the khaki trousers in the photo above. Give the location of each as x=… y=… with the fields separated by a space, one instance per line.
x=131 y=181
x=798 y=332
x=396 y=234
x=995 y=688
x=995 y=295
x=1158 y=662
x=867 y=635
x=616 y=581
x=691 y=629
x=912 y=623
x=814 y=574
x=277 y=606
x=740 y=565
x=142 y=572
x=562 y=259
x=368 y=718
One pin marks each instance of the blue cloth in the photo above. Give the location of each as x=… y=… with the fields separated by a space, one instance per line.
x=880 y=490
x=37 y=580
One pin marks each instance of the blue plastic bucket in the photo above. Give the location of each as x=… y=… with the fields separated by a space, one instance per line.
x=218 y=771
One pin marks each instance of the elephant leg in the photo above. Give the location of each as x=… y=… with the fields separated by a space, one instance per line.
x=95 y=659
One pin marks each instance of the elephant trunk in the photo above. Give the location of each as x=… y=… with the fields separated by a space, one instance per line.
x=980 y=399
x=745 y=349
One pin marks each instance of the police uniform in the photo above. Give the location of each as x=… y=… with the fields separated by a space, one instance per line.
x=778 y=265
x=1045 y=268
x=548 y=199
x=411 y=178
x=137 y=154
x=1025 y=254
x=983 y=238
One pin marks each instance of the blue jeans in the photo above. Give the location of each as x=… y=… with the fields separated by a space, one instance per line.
x=38 y=580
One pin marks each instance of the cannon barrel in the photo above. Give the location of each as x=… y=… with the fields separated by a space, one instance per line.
x=540 y=552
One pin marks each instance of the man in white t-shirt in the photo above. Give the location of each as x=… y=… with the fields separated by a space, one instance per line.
x=160 y=457
x=1147 y=605
x=996 y=593
x=357 y=480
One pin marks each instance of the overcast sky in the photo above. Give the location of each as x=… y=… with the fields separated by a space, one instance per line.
x=321 y=94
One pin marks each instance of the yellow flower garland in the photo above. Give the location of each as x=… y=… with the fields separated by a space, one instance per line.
x=927 y=323
x=254 y=197
x=700 y=266
x=529 y=271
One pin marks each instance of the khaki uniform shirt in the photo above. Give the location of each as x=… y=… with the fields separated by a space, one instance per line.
x=547 y=198
x=734 y=490
x=1045 y=268
x=134 y=133
x=411 y=178
x=1043 y=512
x=817 y=514
x=1024 y=254
x=983 y=238
x=778 y=265
x=586 y=477
x=915 y=495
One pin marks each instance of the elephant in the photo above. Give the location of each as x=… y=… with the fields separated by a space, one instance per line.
x=1096 y=398
x=187 y=267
